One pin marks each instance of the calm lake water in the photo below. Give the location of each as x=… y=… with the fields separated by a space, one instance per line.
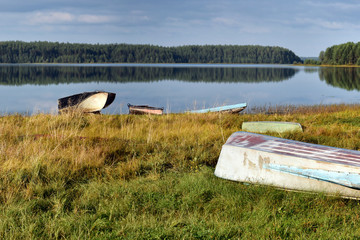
x=31 y=88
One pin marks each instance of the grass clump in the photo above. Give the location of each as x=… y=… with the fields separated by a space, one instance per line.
x=151 y=177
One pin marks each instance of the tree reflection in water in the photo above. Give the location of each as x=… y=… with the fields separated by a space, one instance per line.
x=342 y=77
x=58 y=74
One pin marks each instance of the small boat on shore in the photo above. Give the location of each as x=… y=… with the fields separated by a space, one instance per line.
x=271 y=126
x=290 y=165
x=144 y=109
x=87 y=102
x=236 y=108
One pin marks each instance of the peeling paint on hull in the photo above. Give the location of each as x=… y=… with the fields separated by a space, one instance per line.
x=144 y=109
x=260 y=159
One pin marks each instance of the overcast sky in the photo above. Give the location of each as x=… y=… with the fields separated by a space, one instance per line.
x=303 y=26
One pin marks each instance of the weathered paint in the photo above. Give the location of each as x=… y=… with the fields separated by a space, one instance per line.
x=231 y=108
x=295 y=148
x=271 y=126
x=347 y=179
x=144 y=109
x=256 y=158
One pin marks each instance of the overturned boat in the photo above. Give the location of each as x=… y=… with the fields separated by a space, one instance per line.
x=87 y=102
x=288 y=164
x=235 y=108
x=144 y=109
x=271 y=126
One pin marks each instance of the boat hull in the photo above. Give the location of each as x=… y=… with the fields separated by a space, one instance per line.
x=291 y=165
x=87 y=102
x=236 y=108
x=144 y=109
x=271 y=126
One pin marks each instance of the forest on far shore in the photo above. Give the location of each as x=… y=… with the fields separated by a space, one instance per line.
x=342 y=54
x=54 y=52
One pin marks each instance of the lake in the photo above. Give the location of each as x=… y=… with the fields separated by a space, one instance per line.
x=35 y=88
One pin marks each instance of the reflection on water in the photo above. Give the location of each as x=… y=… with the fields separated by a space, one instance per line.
x=54 y=74
x=36 y=88
x=311 y=69
x=342 y=77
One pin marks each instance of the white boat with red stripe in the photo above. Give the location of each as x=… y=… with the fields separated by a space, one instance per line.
x=288 y=164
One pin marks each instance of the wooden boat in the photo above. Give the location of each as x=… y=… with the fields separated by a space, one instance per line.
x=271 y=126
x=87 y=102
x=287 y=164
x=144 y=109
x=236 y=108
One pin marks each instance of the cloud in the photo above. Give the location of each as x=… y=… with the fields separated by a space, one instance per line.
x=239 y=24
x=225 y=21
x=334 y=5
x=50 y=18
x=330 y=24
x=325 y=24
x=86 y=18
x=53 y=17
x=136 y=16
x=346 y=6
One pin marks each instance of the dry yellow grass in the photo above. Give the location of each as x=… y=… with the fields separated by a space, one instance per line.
x=128 y=145
x=108 y=176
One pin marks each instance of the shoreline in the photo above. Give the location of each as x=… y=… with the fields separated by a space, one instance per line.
x=266 y=110
x=176 y=64
x=326 y=65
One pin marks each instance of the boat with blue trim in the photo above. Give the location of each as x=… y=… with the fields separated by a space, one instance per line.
x=291 y=165
x=235 y=108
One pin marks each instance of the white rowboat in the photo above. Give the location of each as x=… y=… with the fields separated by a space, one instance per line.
x=288 y=164
x=87 y=102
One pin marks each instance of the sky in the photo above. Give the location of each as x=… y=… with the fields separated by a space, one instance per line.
x=304 y=26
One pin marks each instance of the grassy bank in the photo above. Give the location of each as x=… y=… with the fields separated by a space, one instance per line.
x=151 y=177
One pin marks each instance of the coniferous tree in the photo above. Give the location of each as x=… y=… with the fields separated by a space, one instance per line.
x=347 y=53
x=47 y=52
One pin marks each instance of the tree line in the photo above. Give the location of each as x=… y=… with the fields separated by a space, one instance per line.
x=342 y=54
x=54 y=52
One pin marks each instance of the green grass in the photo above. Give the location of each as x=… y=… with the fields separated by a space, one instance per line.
x=151 y=177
